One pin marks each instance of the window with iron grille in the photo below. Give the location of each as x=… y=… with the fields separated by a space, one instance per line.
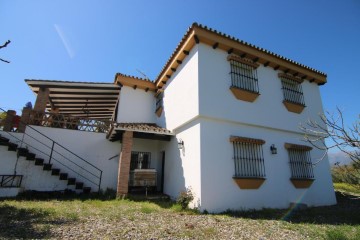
x=159 y=101
x=292 y=91
x=248 y=157
x=244 y=76
x=140 y=160
x=300 y=161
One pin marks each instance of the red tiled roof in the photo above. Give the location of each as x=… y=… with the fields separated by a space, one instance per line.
x=195 y=26
x=142 y=127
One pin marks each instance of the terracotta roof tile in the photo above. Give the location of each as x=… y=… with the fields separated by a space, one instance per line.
x=130 y=76
x=142 y=127
x=234 y=39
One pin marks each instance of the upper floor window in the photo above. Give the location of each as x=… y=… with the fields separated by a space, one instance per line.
x=159 y=103
x=300 y=164
x=293 y=93
x=248 y=157
x=244 y=80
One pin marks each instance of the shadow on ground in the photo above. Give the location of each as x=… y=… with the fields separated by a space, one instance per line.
x=16 y=223
x=346 y=211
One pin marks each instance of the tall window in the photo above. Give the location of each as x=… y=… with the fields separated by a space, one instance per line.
x=159 y=101
x=243 y=76
x=292 y=91
x=140 y=160
x=248 y=157
x=300 y=161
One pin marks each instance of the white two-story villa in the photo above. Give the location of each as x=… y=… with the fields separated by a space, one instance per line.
x=222 y=118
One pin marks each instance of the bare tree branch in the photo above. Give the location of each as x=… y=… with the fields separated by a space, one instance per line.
x=332 y=126
x=4 y=60
x=5 y=44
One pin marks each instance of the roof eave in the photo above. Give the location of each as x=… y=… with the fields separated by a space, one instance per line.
x=198 y=34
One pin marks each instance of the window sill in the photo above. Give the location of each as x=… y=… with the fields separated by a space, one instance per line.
x=159 y=111
x=244 y=95
x=294 y=107
x=249 y=183
x=302 y=182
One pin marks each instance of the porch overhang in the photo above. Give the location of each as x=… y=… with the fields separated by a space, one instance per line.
x=140 y=130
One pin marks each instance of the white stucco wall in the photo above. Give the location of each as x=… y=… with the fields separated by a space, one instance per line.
x=222 y=115
x=218 y=190
x=136 y=105
x=182 y=167
x=181 y=97
x=93 y=147
x=217 y=101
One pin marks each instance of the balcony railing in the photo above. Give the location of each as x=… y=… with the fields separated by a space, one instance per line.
x=66 y=121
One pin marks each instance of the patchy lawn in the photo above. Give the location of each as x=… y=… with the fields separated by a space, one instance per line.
x=126 y=219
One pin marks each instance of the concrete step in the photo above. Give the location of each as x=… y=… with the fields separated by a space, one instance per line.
x=71 y=181
x=55 y=172
x=30 y=156
x=86 y=190
x=12 y=147
x=22 y=152
x=63 y=176
x=79 y=185
x=4 y=141
x=47 y=167
x=39 y=161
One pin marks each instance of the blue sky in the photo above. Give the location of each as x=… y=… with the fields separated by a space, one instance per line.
x=92 y=40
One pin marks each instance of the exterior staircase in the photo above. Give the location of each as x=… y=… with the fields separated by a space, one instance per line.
x=29 y=156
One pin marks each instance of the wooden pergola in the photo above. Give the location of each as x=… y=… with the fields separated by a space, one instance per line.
x=78 y=99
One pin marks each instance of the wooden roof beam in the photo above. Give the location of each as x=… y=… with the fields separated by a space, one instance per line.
x=227 y=43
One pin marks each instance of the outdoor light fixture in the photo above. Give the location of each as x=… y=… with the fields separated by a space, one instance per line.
x=180 y=144
x=273 y=149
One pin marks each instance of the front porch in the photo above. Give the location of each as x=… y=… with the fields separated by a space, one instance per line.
x=142 y=156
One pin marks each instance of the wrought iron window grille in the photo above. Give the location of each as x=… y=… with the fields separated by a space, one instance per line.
x=248 y=160
x=244 y=76
x=159 y=101
x=300 y=164
x=292 y=91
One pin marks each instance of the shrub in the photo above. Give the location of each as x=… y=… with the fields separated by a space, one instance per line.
x=185 y=197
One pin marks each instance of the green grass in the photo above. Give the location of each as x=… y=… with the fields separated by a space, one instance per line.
x=30 y=217
x=349 y=188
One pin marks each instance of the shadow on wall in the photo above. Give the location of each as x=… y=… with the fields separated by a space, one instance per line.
x=174 y=180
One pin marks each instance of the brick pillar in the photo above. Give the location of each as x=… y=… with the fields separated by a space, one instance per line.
x=124 y=164
x=8 y=125
x=25 y=119
x=41 y=100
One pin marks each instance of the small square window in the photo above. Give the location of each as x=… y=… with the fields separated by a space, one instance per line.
x=243 y=76
x=140 y=160
x=292 y=91
x=244 y=80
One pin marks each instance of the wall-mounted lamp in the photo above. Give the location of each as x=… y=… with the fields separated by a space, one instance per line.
x=180 y=144
x=273 y=149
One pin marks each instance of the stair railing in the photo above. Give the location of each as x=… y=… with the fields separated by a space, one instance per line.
x=59 y=151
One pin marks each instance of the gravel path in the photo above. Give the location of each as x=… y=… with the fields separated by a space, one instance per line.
x=173 y=226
